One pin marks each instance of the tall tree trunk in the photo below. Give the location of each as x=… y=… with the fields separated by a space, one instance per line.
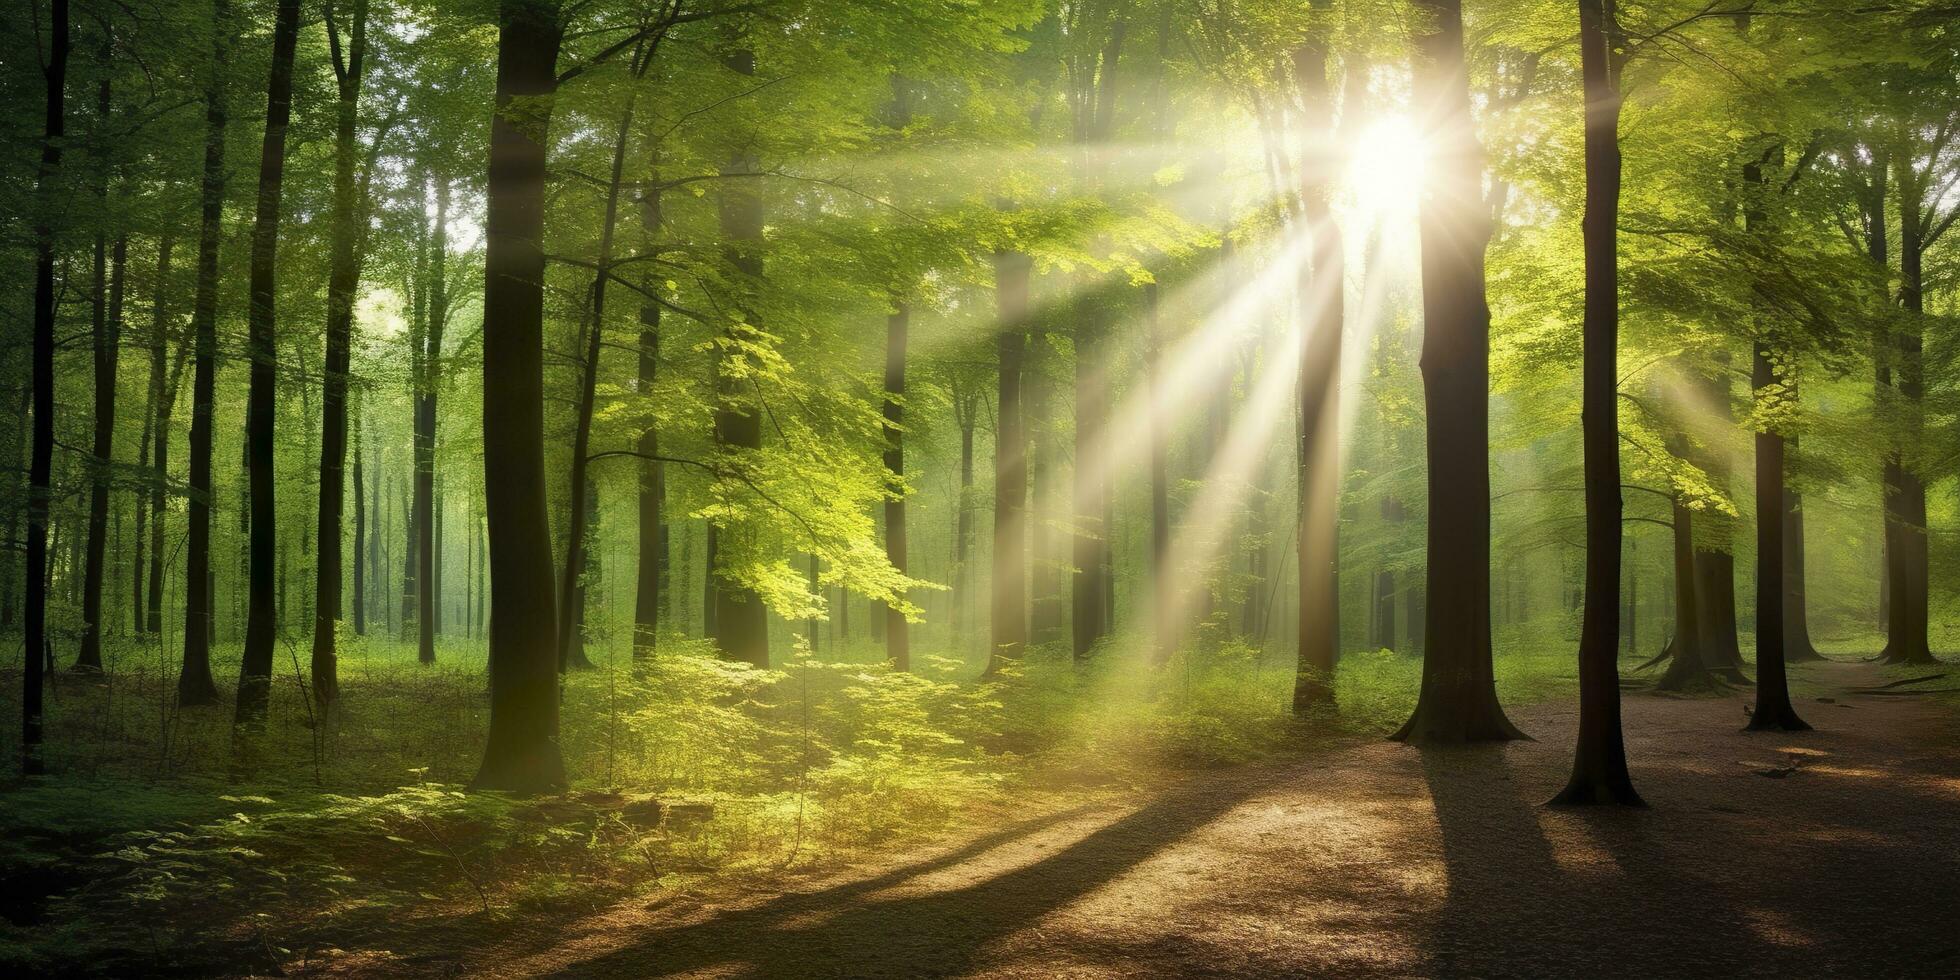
x=166 y=403
x=343 y=277
x=1009 y=621
x=1163 y=625
x=1046 y=504
x=965 y=408
x=255 y=669
x=1721 y=652
x=428 y=585
x=1318 y=450
x=195 y=685
x=571 y=646
x=1798 y=647
x=105 y=334
x=1599 y=763
x=898 y=640
x=1685 y=669
x=651 y=574
x=1773 y=711
x=1907 y=552
x=1458 y=699
x=522 y=751
x=741 y=625
x=360 y=527
x=107 y=344
x=42 y=454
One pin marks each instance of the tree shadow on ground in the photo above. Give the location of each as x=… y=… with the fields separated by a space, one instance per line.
x=1730 y=874
x=939 y=932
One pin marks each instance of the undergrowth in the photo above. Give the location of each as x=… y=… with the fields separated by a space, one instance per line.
x=168 y=839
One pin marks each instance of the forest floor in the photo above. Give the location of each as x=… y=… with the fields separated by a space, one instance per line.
x=1833 y=852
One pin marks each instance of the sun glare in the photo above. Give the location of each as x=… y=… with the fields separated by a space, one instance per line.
x=1385 y=166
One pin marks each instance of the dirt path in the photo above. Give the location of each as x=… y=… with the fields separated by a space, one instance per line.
x=1378 y=860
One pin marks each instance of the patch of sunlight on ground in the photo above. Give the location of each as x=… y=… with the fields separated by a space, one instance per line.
x=1776 y=927
x=1015 y=854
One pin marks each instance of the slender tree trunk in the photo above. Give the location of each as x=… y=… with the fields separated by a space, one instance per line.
x=522 y=751
x=1163 y=626
x=360 y=527
x=741 y=625
x=1685 y=669
x=1798 y=647
x=107 y=335
x=1458 y=699
x=1044 y=509
x=1009 y=625
x=166 y=404
x=342 y=279
x=651 y=578
x=966 y=409
x=1773 y=711
x=195 y=685
x=1599 y=764
x=428 y=585
x=898 y=640
x=1714 y=560
x=1908 y=554
x=571 y=646
x=1318 y=452
x=42 y=453
x=104 y=334
x=255 y=670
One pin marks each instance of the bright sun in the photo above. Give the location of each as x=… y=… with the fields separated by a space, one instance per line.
x=1384 y=171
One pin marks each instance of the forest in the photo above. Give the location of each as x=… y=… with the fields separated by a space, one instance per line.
x=1023 y=488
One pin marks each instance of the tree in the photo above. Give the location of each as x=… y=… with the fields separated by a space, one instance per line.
x=1599 y=765
x=349 y=68
x=1009 y=622
x=1458 y=700
x=55 y=72
x=106 y=334
x=741 y=624
x=1323 y=288
x=195 y=685
x=522 y=753
x=571 y=646
x=255 y=670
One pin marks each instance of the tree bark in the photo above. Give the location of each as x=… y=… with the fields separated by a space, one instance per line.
x=360 y=525
x=255 y=669
x=1773 y=711
x=571 y=645
x=1458 y=699
x=898 y=640
x=1318 y=452
x=651 y=579
x=741 y=625
x=1163 y=625
x=521 y=754
x=342 y=280
x=166 y=388
x=428 y=582
x=105 y=334
x=1009 y=621
x=1907 y=551
x=1599 y=764
x=1797 y=644
x=195 y=685
x=42 y=453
